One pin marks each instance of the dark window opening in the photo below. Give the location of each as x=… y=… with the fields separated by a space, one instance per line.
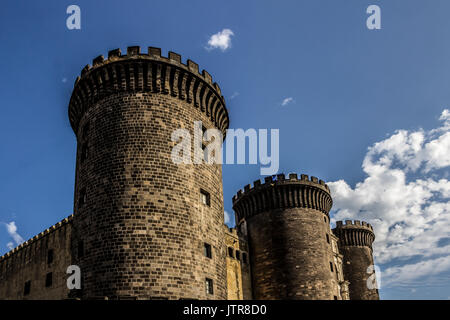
x=203 y=135
x=205 y=197
x=80 y=249
x=331 y=267
x=209 y=286
x=328 y=238
x=335 y=298
x=230 y=252
x=325 y=219
x=238 y=255
x=244 y=257
x=84 y=152
x=50 y=256
x=27 y=288
x=85 y=131
x=82 y=198
x=207 y=250
x=49 y=279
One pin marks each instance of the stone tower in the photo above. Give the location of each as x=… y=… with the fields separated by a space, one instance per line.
x=355 y=243
x=288 y=228
x=141 y=223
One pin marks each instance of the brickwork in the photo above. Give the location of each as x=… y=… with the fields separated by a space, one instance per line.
x=355 y=243
x=287 y=222
x=30 y=262
x=239 y=285
x=147 y=228
x=138 y=215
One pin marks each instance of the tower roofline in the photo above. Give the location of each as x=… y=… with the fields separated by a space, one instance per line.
x=278 y=192
x=354 y=233
x=147 y=72
x=354 y=224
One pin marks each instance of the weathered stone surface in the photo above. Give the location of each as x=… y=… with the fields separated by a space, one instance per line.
x=287 y=222
x=355 y=243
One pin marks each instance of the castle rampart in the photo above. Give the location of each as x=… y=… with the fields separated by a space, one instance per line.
x=145 y=227
x=36 y=269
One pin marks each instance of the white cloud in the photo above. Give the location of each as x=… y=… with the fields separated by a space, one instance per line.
x=287 y=101
x=227 y=217
x=11 y=228
x=408 y=273
x=234 y=95
x=406 y=197
x=221 y=40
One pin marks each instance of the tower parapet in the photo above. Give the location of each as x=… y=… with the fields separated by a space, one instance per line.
x=355 y=243
x=279 y=192
x=147 y=72
x=289 y=237
x=354 y=233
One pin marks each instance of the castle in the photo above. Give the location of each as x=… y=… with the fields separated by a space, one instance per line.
x=146 y=228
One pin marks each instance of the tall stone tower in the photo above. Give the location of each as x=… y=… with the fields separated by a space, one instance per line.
x=355 y=243
x=142 y=222
x=288 y=230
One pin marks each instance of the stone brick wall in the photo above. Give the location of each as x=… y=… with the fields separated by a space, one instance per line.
x=287 y=223
x=139 y=216
x=239 y=285
x=29 y=263
x=140 y=224
x=355 y=243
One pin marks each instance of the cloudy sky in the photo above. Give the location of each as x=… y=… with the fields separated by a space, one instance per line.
x=365 y=110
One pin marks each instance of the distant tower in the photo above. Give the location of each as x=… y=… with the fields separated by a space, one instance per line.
x=142 y=222
x=287 y=224
x=355 y=243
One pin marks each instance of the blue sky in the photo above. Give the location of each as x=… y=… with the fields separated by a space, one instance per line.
x=348 y=91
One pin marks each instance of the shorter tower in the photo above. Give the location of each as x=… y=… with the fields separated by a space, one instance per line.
x=288 y=230
x=355 y=243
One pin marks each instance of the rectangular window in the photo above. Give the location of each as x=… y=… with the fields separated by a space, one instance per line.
x=244 y=257
x=328 y=238
x=50 y=256
x=203 y=135
x=209 y=286
x=27 y=288
x=207 y=250
x=331 y=267
x=230 y=252
x=84 y=152
x=85 y=131
x=205 y=197
x=335 y=298
x=49 y=279
x=80 y=249
x=82 y=198
x=238 y=255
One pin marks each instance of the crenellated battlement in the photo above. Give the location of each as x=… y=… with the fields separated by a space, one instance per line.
x=353 y=224
x=147 y=72
x=354 y=233
x=37 y=237
x=281 y=192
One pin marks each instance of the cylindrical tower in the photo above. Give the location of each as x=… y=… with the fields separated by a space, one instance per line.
x=355 y=244
x=288 y=230
x=142 y=222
